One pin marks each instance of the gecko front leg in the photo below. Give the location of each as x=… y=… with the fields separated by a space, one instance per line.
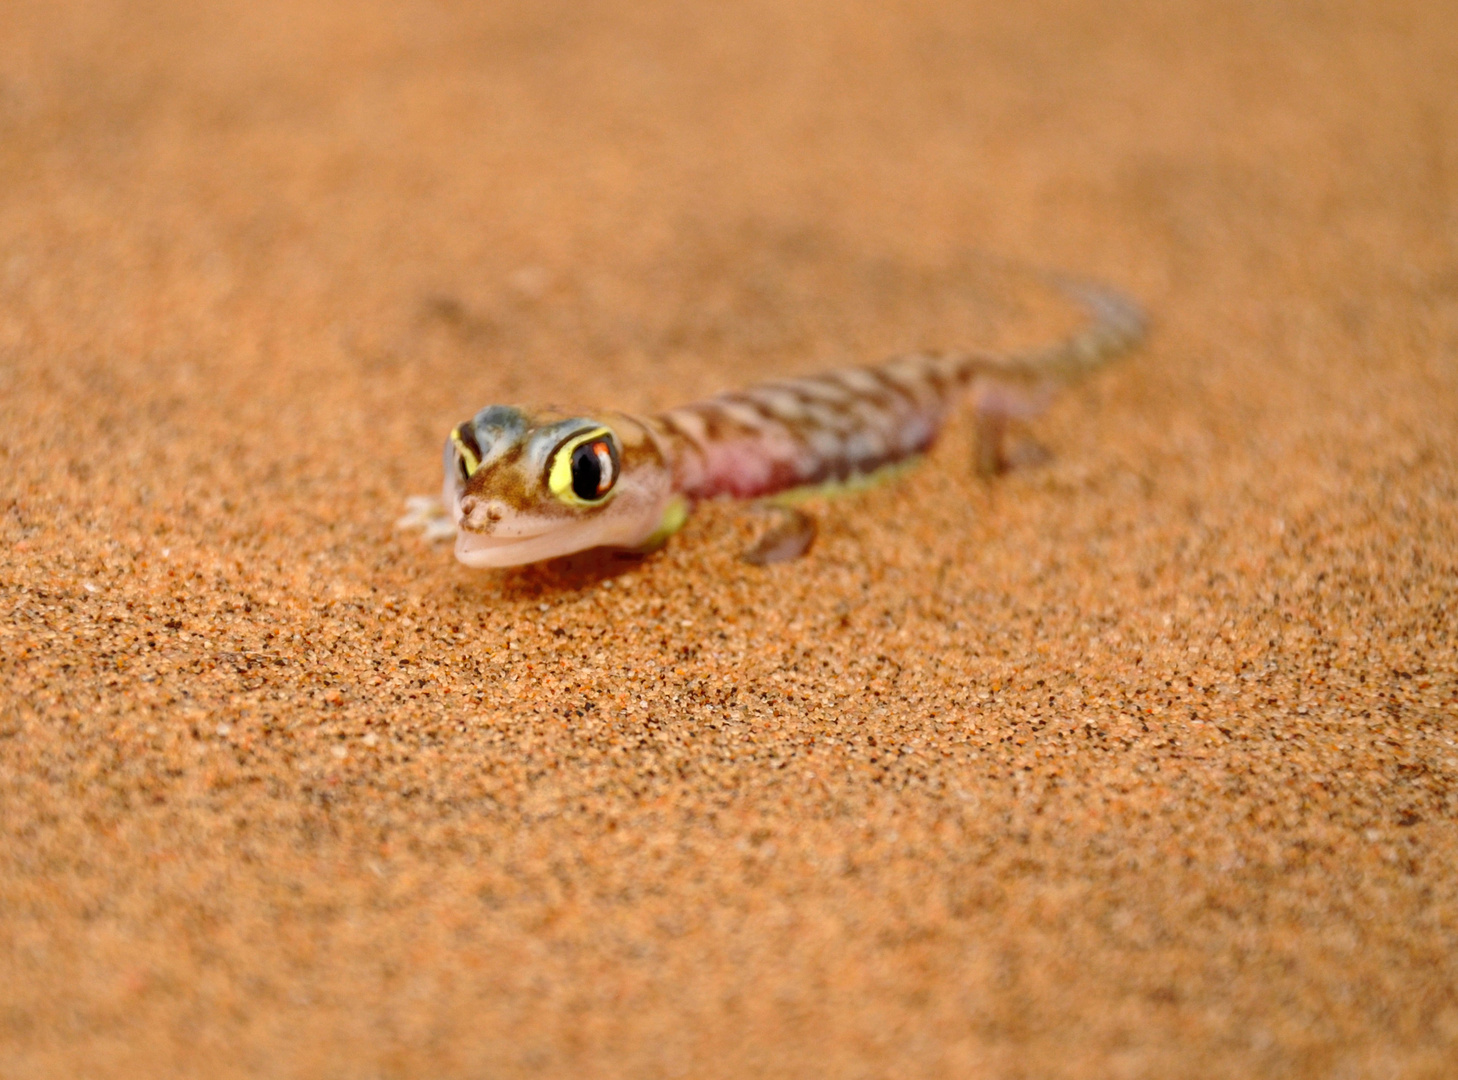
x=428 y=515
x=788 y=537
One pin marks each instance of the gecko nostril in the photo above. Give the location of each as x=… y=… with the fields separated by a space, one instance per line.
x=479 y=511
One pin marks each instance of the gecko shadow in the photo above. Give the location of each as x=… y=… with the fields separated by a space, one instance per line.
x=574 y=573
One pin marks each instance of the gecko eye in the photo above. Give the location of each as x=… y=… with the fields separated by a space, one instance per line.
x=592 y=470
x=585 y=467
x=468 y=450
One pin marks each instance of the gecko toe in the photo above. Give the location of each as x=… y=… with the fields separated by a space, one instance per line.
x=1027 y=454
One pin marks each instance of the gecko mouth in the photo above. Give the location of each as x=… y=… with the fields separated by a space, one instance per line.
x=517 y=538
x=480 y=549
x=487 y=536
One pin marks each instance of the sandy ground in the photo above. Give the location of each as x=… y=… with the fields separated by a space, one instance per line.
x=1139 y=764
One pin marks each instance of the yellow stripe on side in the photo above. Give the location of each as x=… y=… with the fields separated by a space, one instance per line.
x=851 y=485
x=674 y=515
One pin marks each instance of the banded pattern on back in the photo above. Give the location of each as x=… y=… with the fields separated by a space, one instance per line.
x=801 y=432
x=832 y=427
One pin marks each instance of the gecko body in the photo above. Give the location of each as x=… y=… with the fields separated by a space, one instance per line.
x=527 y=484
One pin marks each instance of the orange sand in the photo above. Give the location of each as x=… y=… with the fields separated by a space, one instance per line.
x=1140 y=764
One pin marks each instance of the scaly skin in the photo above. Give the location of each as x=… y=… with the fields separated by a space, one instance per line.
x=524 y=485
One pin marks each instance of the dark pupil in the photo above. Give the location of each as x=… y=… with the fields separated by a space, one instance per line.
x=586 y=472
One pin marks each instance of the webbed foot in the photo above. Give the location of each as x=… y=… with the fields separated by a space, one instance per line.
x=788 y=537
x=996 y=454
x=428 y=515
x=997 y=407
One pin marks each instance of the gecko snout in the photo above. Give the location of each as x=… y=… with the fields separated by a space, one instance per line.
x=478 y=514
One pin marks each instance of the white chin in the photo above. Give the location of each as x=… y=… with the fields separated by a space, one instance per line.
x=488 y=551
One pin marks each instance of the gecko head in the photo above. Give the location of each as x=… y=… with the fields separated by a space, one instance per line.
x=531 y=485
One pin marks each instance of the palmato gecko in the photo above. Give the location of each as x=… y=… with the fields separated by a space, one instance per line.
x=527 y=484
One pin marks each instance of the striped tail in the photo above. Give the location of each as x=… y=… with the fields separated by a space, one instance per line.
x=1116 y=325
x=844 y=425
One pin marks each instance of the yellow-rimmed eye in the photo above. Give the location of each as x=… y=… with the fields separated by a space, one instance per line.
x=585 y=467
x=468 y=453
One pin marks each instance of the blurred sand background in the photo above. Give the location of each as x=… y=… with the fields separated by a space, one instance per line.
x=1139 y=764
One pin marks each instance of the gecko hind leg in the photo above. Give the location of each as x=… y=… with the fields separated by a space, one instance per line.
x=997 y=406
x=788 y=537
